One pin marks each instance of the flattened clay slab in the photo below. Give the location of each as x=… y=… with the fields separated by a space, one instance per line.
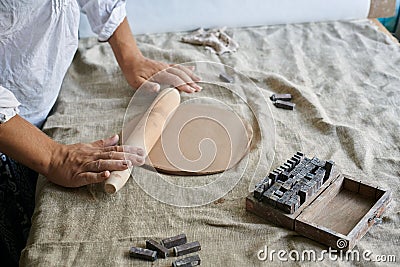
x=201 y=139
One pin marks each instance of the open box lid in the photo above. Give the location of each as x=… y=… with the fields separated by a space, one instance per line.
x=342 y=213
x=338 y=215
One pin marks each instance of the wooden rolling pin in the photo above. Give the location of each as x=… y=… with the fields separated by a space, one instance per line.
x=146 y=133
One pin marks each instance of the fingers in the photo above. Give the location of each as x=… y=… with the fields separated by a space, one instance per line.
x=177 y=76
x=114 y=158
x=91 y=178
x=135 y=154
x=100 y=170
x=111 y=151
x=111 y=141
x=185 y=77
x=189 y=71
x=147 y=73
x=150 y=86
x=135 y=159
x=174 y=80
x=191 y=68
x=127 y=149
x=82 y=164
x=108 y=165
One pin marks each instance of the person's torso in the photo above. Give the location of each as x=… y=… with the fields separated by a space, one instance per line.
x=38 y=39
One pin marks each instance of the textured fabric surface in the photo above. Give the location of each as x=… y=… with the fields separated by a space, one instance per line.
x=345 y=80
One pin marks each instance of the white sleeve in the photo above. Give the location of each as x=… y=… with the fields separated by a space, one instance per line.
x=104 y=16
x=8 y=105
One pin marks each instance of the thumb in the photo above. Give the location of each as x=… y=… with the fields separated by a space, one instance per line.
x=111 y=141
x=151 y=86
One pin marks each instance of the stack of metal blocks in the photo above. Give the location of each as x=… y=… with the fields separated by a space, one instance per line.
x=291 y=184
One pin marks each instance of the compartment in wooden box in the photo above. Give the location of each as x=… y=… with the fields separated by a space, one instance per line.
x=343 y=213
x=338 y=215
x=278 y=217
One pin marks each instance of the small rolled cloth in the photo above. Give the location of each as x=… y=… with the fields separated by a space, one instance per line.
x=215 y=40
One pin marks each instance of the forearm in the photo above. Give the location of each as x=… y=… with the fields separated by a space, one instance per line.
x=124 y=46
x=26 y=144
x=67 y=165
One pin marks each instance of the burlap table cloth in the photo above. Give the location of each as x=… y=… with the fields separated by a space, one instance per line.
x=345 y=80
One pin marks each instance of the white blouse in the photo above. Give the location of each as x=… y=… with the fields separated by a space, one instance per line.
x=38 y=39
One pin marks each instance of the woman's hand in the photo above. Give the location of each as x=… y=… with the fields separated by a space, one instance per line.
x=66 y=165
x=81 y=164
x=139 y=70
x=150 y=73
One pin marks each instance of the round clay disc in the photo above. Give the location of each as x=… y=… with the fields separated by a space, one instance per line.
x=201 y=139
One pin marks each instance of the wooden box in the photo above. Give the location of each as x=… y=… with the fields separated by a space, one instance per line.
x=338 y=215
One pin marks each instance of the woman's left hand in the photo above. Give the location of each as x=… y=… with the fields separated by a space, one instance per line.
x=151 y=73
x=139 y=70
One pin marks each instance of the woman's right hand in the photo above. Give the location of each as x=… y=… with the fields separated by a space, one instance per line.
x=81 y=164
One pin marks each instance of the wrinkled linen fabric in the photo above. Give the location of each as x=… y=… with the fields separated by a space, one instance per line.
x=38 y=40
x=345 y=80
